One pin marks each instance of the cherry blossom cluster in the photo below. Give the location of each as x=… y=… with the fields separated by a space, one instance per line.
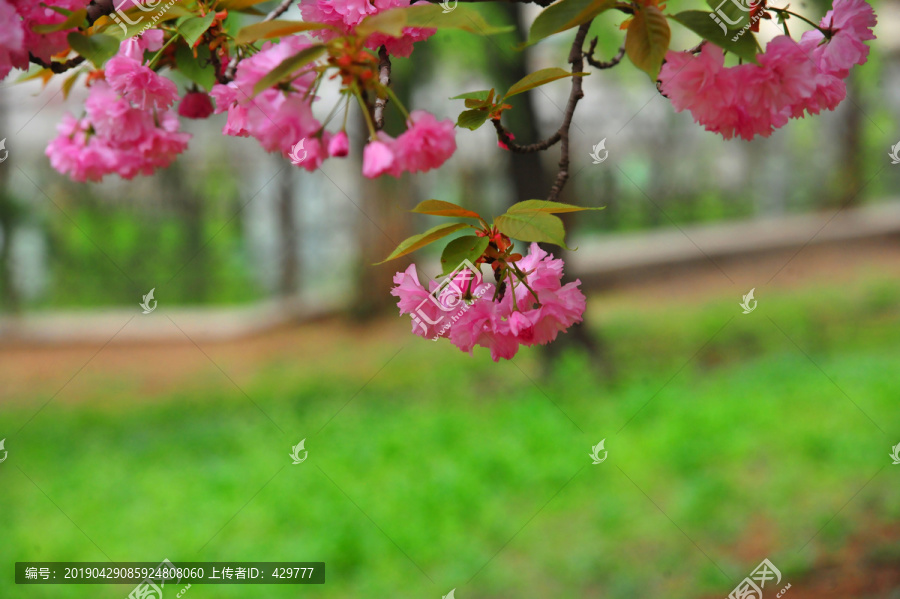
x=128 y=128
x=345 y=15
x=791 y=79
x=534 y=312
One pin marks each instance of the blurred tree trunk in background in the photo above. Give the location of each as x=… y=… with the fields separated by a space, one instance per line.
x=190 y=207
x=383 y=217
x=851 y=160
x=529 y=177
x=9 y=214
x=288 y=237
x=526 y=171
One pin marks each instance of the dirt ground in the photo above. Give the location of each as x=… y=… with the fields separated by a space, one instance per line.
x=158 y=368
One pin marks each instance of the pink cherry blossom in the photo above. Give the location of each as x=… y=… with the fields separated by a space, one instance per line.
x=115 y=137
x=790 y=79
x=339 y=146
x=347 y=14
x=426 y=144
x=276 y=118
x=851 y=23
x=44 y=46
x=195 y=105
x=500 y=326
x=702 y=85
x=140 y=84
x=12 y=40
x=378 y=158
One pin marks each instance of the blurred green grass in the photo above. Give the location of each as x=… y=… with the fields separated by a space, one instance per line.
x=731 y=438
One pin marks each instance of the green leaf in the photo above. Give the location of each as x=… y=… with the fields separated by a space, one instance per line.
x=547 y=206
x=238 y=5
x=97 y=48
x=411 y=244
x=196 y=69
x=472 y=119
x=700 y=23
x=736 y=13
x=392 y=22
x=285 y=71
x=647 y=40
x=564 y=15
x=441 y=208
x=271 y=29
x=532 y=226
x=69 y=82
x=539 y=78
x=141 y=20
x=193 y=28
x=467 y=247
x=74 y=19
x=479 y=95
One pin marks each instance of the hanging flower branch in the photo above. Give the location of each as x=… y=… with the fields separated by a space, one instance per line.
x=266 y=75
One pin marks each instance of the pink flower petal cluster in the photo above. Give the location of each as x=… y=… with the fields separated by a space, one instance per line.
x=17 y=38
x=277 y=118
x=426 y=144
x=32 y=13
x=347 y=14
x=499 y=326
x=115 y=137
x=791 y=79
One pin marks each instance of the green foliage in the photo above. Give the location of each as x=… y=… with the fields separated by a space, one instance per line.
x=392 y=22
x=97 y=48
x=647 y=40
x=564 y=15
x=699 y=22
x=446 y=473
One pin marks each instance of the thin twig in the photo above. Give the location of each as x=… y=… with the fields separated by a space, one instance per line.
x=384 y=78
x=503 y=135
x=233 y=63
x=576 y=59
x=599 y=64
x=280 y=10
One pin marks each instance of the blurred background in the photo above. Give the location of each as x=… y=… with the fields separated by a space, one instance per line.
x=732 y=437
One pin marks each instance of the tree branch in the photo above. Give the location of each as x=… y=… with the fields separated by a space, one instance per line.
x=503 y=135
x=599 y=64
x=56 y=67
x=384 y=78
x=278 y=11
x=576 y=59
